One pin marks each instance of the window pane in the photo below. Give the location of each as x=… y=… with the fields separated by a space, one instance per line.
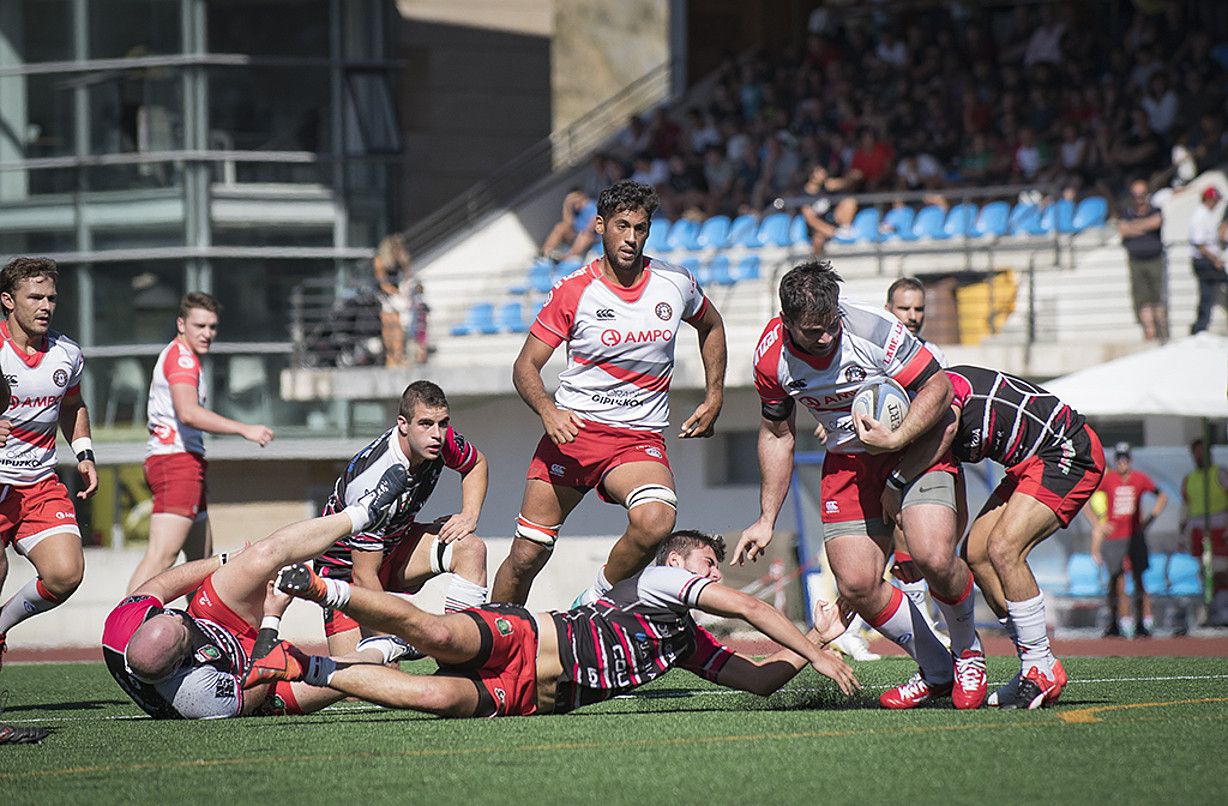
x=255 y=295
x=49 y=116
x=136 y=110
x=133 y=28
x=45 y=34
x=137 y=303
x=269 y=108
x=269 y=28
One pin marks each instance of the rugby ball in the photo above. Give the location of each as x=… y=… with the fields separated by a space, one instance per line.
x=884 y=400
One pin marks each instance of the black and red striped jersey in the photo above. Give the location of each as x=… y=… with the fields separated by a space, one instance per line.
x=634 y=634
x=1007 y=419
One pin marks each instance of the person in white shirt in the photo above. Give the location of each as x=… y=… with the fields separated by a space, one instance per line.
x=175 y=454
x=1208 y=259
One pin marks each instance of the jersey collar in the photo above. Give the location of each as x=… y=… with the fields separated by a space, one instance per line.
x=30 y=359
x=625 y=294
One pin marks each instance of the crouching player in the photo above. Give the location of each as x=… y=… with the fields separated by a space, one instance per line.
x=502 y=660
x=1054 y=462
x=189 y=664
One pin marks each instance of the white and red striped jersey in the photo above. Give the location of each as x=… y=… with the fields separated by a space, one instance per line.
x=177 y=363
x=873 y=343
x=39 y=382
x=620 y=341
x=640 y=629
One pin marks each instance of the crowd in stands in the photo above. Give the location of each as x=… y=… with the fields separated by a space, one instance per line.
x=913 y=98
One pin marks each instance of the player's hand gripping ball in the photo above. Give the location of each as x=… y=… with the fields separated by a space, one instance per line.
x=884 y=400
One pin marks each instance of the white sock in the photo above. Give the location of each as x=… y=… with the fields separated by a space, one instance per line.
x=319 y=671
x=32 y=599
x=903 y=623
x=856 y=626
x=338 y=593
x=961 y=621
x=602 y=586
x=1028 y=617
x=915 y=591
x=463 y=594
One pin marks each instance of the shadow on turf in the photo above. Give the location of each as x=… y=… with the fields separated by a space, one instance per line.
x=83 y=705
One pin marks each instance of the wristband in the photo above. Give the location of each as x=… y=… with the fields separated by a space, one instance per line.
x=270 y=623
x=83 y=447
x=896 y=481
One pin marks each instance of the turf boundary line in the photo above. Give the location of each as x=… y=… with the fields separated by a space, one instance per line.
x=1087 y=716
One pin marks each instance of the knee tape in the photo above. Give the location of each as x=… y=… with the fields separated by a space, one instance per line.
x=542 y=535
x=441 y=557
x=651 y=494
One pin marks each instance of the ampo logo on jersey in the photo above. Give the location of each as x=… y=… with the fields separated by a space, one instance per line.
x=612 y=338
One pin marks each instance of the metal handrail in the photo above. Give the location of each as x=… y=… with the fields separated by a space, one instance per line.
x=559 y=150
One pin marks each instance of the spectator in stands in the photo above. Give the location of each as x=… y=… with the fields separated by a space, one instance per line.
x=872 y=160
x=1206 y=233
x=1120 y=544
x=1140 y=228
x=573 y=235
x=1160 y=104
x=829 y=211
x=393 y=275
x=417 y=328
x=1204 y=522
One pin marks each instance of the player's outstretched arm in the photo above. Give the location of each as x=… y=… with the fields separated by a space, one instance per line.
x=561 y=426
x=714 y=353
x=180 y=580
x=190 y=412
x=776 y=442
x=764 y=677
x=720 y=600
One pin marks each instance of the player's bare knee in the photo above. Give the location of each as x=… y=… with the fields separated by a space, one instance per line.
x=932 y=560
x=1003 y=556
x=654 y=521
x=858 y=587
x=63 y=580
x=469 y=556
x=269 y=554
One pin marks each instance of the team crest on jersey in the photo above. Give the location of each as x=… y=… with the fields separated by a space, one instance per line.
x=664 y=311
x=502 y=695
x=208 y=654
x=654 y=452
x=186 y=362
x=503 y=626
x=60 y=377
x=854 y=374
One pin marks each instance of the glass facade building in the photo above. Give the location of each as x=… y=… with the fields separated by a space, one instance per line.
x=231 y=146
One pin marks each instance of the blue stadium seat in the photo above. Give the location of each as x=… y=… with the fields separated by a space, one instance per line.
x=960 y=220
x=992 y=220
x=1084 y=577
x=1023 y=218
x=1184 y=575
x=691 y=264
x=799 y=231
x=928 y=224
x=864 y=227
x=566 y=267
x=1059 y=215
x=718 y=271
x=1092 y=212
x=658 y=235
x=774 y=230
x=510 y=318
x=541 y=277
x=480 y=319
x=683 y=234
x=898 y=224
x=1155 y=578
x=713 y=233
x=747 y=269
x=742 y=232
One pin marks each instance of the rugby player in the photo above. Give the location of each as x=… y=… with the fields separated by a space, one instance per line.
x=619 y=316
x=502 y=660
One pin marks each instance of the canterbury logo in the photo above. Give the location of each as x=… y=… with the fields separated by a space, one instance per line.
x=605 y=314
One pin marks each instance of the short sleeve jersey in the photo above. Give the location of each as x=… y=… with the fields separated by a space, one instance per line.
x=1124 y=495
x=872 y=344
x=177 y=363
x=208 y=686
x=38 y=383
x=620 y=341
x=1008 y=419
x=634 y=634
x=363 y=473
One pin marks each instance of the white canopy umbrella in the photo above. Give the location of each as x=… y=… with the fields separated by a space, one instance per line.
x=1187 y=377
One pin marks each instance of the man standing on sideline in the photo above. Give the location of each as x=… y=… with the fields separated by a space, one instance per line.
x=619 y=316
x=1208 y=259
x=819 y=352
x=175 y=453
x=1204 y=521
x=42 y=372
x=1140 y=227
x=1121 y=538
x=401 y=555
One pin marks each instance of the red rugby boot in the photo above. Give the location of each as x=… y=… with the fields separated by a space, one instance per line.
x=971 y=682
x=912 y=693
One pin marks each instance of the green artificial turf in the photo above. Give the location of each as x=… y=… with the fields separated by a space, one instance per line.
x=682 y=741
